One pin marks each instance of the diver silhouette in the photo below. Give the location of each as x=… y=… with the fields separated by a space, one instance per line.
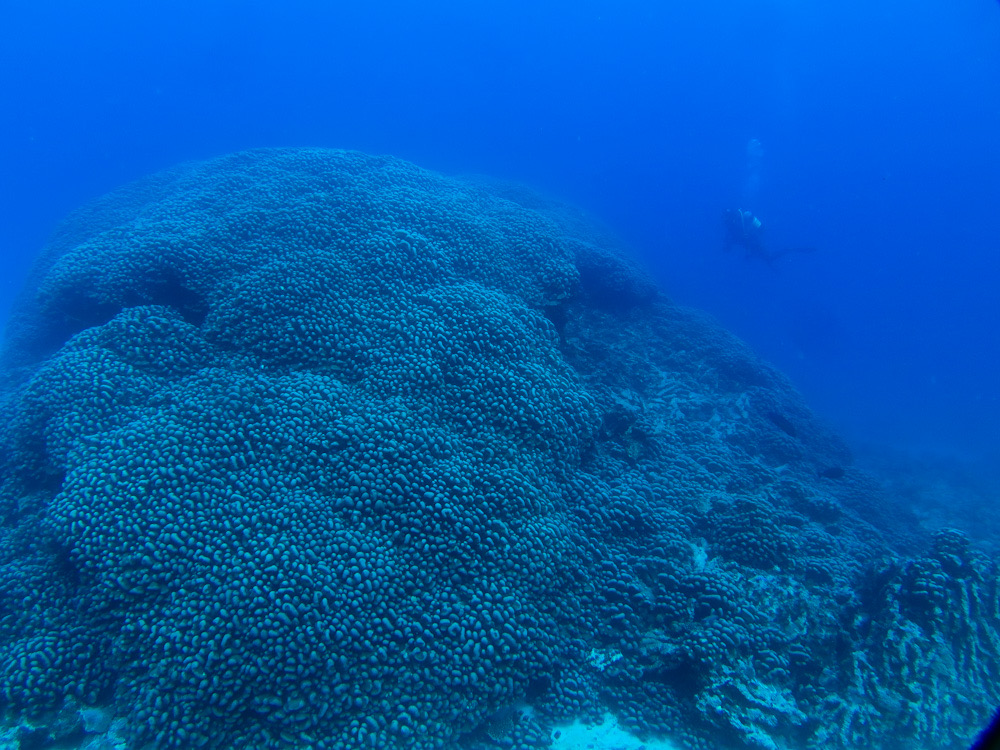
x=746 y=231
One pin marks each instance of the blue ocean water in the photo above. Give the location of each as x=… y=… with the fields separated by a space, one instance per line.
x=864 y=133
x=877 y=125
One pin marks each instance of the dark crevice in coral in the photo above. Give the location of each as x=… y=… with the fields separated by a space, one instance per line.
x=43 y=739
x=77 y=312
x=538 y=687
x=46 y=482
x=171 y=292
x=783 y=423
x=65 y=565
x=558 y=315
x=80 y=311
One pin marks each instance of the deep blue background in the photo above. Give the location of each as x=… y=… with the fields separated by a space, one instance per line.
x=878 y=121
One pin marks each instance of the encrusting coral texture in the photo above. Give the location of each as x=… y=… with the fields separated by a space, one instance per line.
x=311 y=448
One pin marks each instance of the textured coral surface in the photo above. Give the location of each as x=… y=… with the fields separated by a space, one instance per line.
x=313 y=448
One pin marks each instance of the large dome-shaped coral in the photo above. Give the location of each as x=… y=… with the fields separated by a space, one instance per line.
x=308 y=447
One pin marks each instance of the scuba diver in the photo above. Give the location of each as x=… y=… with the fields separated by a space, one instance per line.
x=745 y=230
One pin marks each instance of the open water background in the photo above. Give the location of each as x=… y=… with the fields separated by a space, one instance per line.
x=877 y=124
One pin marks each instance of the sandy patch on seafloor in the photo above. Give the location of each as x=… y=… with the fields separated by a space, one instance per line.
x=606 y=736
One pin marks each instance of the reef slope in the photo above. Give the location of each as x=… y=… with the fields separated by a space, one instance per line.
x=307 y=447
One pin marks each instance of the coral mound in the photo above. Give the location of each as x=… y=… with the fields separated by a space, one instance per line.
x=313 y=448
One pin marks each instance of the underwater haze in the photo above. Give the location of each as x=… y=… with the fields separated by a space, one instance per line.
x=525 y=374
x=877 y=122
